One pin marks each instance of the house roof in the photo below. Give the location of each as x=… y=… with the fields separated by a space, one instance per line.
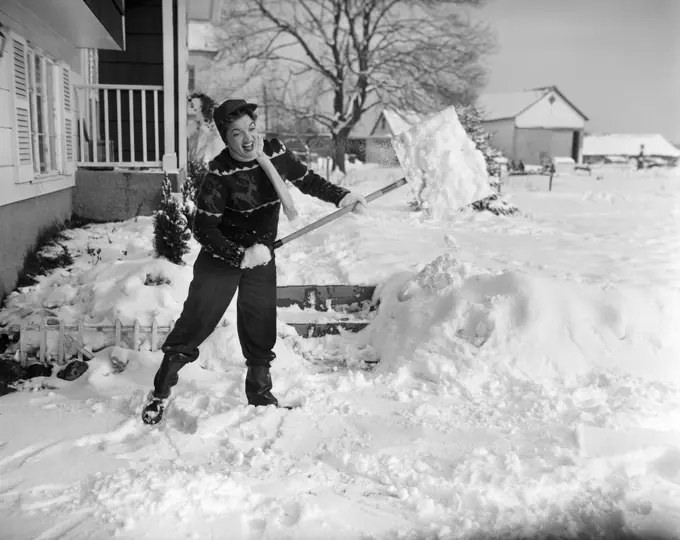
x=501 y=106
x=398 y=121
x=203 y=36
x=625 y=144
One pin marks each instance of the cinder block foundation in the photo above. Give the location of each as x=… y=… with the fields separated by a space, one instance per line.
x=105 y=195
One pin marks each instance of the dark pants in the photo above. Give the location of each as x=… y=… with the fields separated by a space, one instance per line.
x=210 y=293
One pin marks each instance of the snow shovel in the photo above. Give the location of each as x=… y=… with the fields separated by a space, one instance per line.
x=335 y=215
x=444 y=167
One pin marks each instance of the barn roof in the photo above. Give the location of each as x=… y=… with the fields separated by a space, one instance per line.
x=625 y=144
x=501 y=106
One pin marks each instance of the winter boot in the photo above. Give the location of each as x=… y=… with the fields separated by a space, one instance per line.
x=258 y=387
x=166 y=377
x=152 y=413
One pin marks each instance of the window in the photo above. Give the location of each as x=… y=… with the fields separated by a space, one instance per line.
x=44 y=114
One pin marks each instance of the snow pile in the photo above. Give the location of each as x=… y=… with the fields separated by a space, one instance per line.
x=444 y=167
x=451 y=320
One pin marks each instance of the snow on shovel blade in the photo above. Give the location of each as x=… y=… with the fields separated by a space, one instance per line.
x=442 y=165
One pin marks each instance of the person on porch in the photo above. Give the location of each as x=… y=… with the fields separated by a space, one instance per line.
x=236 y=224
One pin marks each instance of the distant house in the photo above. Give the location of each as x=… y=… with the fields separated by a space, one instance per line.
x=616 y=147
x=47 y=49
x=204 y=40
x=388 y=124
x=534 y=125
x=94 y=112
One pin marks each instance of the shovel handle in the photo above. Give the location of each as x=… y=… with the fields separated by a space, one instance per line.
x=337 y=214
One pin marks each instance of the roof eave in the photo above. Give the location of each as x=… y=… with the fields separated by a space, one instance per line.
x=499 y=118
x=570 y=103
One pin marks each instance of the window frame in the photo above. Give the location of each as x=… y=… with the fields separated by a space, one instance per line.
x=46 y=146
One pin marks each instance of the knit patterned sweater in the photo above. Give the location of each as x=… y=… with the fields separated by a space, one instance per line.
x=237 y=205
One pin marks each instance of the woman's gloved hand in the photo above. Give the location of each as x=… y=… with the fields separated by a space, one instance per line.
x=354 y=198
x=256 y=255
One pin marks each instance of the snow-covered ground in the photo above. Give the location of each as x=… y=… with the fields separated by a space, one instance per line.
x=528 y=384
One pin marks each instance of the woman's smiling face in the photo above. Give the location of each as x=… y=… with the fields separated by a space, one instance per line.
x=242 y=137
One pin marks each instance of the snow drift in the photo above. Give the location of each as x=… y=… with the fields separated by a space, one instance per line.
x=451 y=320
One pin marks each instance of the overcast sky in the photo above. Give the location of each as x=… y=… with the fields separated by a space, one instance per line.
x=617 y=60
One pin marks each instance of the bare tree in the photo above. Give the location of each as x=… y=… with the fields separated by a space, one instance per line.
x=413 y=55
x=296 y=109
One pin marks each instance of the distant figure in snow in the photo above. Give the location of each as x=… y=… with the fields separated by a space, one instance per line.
x=521 y=166
x=236 y=223
x=641 y=158
x=204 y=141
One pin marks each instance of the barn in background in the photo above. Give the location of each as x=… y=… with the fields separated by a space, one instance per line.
x=534 y=126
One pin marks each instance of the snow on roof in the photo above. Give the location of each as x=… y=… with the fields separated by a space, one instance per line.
x=623 y=144
x=508 y=105
x=499 y=106
x=202 y=36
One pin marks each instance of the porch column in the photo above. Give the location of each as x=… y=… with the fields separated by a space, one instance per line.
x=182 y=81
x=169 y=152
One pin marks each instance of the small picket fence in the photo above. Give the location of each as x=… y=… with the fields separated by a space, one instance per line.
x=136 y=333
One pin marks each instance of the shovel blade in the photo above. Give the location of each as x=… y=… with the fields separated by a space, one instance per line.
x=444 y=168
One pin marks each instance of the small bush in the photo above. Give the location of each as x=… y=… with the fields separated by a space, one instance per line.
x=190 y=189
x=495 y=204
x=171 y=232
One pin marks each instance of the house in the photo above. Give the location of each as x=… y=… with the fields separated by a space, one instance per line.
x=45 y=49
x=388 y=124
x=534 y=126
x=132 y=127
x=204 y=40
x=617 y=147
x=111 y=75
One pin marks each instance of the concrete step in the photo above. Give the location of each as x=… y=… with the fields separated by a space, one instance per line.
x=325 y=309
x=313 y=330
x=319 y=297
x=311 y=323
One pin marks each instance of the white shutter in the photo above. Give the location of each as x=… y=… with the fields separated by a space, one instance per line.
x=69 y=121
x=22 y=111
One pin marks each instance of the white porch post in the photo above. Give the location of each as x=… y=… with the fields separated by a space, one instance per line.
x=169 y=152
x=182 y=81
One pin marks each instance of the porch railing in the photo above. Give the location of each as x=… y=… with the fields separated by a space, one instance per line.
x=119 y=125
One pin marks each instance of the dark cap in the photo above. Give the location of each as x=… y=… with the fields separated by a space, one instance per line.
x=229 y=107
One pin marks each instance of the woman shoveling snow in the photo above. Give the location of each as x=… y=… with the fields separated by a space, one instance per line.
x=236 y=225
